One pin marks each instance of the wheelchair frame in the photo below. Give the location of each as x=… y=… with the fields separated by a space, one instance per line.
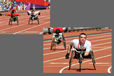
x=81 y=58
x=33 y=20
x=10 y=21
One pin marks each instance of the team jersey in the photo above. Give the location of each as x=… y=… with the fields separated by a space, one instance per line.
x=54 y=29
x=87 y=45
x=59 y=36
x=13 y=15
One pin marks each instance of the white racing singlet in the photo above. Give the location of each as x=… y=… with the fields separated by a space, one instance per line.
x=57 y=38
x=86 y=46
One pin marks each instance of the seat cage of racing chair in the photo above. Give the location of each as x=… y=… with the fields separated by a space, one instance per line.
x=81 y=58
x=34 y=17
x=13 y=19
x=56 y=39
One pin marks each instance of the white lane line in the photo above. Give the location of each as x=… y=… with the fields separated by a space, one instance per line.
x=88 y=38
x=88 y=35
x=64 y=57
x=66 y=50
x=31 y=27
x=32 y=32
x=68 y=63
x=53 y=53
x=100 y=63
x=53 y=59
x=92 y=45
x=58 y=63
x=103 y=43
x=55 y=66
x=16 y=26
x=20 y=20
x=61 y=70
x=109 y=69
x=20 y=17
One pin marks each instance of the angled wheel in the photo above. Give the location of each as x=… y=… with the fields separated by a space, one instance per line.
x=53 y=45
x=29 y=20
x=32 y=21
x=10 y=21
x=17 y=21
x=64 y=42
x=70 y=61
x=93 y=59
x=80 y=62
x=38 y=20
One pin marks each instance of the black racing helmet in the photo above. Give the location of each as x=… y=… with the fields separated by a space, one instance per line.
x=33 y=10
x=13 y=11
x=57 y=31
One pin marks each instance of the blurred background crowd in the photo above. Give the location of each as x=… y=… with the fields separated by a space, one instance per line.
x=7 y=5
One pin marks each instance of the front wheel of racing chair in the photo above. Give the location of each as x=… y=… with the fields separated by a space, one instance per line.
x=80 y=58
x=38 y=20
x=17 y=21
x=29 y=21
x=53 y=45
x=13 y=19
x=64 y=42
x=70 y=61
x=93 y=59
x=10 y=21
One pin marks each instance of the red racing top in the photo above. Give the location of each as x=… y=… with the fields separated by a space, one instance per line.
x=54 y=29
x=13 y=15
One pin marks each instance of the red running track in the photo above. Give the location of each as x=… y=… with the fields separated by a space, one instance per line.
x=24 y=27
x=55 y=62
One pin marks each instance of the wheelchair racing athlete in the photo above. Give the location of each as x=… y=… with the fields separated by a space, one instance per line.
x=57 y=36
x=80 y=44
x=33 y=16
x=13 y=16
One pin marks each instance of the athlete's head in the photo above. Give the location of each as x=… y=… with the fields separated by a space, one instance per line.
x=13 y=11
x=33 y=10
x=82 y=37
x=57 y=31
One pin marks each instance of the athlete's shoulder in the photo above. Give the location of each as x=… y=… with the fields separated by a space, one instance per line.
x=9 y=14
x=88 y=42
x=75 y=40
x=16 y=14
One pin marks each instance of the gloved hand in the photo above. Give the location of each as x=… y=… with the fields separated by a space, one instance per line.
x=67 y=56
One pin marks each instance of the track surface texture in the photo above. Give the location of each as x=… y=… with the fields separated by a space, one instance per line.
x=24 y=27
x=55 y=62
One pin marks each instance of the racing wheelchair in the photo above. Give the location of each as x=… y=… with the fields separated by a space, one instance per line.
x=13 y=19
x=80 y=57
x=57 y=40
x=33 y=16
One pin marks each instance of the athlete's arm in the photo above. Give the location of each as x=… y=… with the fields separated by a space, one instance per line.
x=69 y=50
x=70 y=47
x=86 y=53
x=52 y=42
x=88 y=49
